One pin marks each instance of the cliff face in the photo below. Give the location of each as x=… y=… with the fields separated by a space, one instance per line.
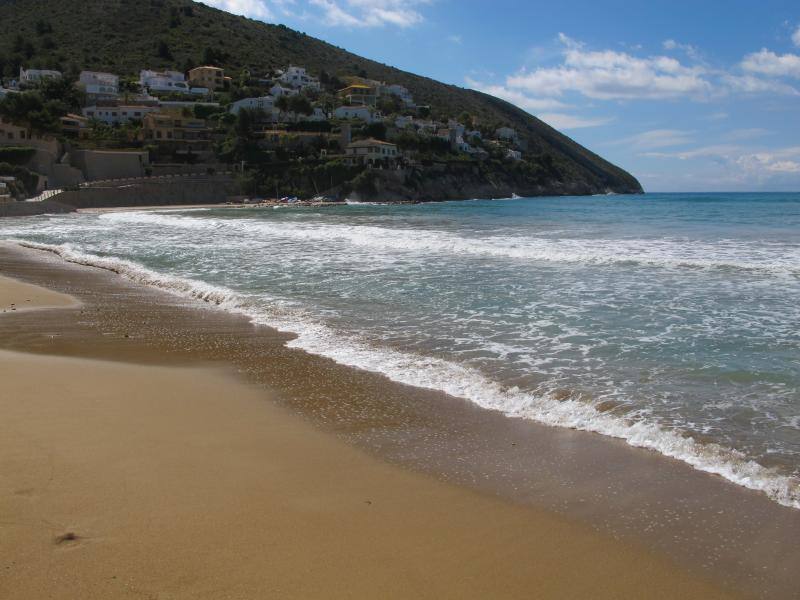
x=124 y=36
x=468 y=181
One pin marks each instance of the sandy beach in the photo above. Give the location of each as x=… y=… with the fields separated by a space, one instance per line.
x=16 y=296
x=128 y=480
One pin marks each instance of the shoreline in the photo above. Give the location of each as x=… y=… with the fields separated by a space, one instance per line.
x=411 y=430
x=282 y=508
x=705 y=457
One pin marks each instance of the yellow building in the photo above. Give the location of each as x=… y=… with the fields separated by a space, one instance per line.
x=371 y=152
x=359 y=95
x=177 y=131
x=212 y=78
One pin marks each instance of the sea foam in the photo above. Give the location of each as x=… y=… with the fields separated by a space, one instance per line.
x=661 y=252
x=456 y=380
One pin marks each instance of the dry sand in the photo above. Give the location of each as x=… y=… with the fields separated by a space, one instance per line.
x=121 y=480
x=16 y=296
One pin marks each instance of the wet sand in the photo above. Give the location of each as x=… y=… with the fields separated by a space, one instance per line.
x=123 y=480
x=664 y=510
x=130 y=481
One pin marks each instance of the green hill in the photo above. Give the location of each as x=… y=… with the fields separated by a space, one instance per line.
x=124 y=36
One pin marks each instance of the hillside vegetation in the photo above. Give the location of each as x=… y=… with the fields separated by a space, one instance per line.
x=124 y=36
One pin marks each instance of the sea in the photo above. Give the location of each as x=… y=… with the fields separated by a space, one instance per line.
x=671 y=321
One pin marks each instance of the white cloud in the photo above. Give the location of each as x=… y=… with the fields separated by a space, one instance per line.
x=657 y=138
x=764 y=164
x=533 y=105
x=256 y=9
x=370 y=13
x=745 y=166
x=455 y=39
x=338 y=13
x=612 y=75
x=751 y=84
x=690 y=50
x=718 y=151
x=740 y=135
x=768 y=63
x=565 y=121
x=796 y=37
x=529 y=103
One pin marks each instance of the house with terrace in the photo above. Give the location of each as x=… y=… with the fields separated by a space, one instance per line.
x=371 y=153
x=99 y=86
x=167 y=82
x=118 y=115
x=297 y=78
x=32 y=77
x=359 y=94
x=358 y=113
x=212 y=78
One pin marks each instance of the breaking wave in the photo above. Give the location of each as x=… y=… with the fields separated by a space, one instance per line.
x=456 y=380
x=663 y=252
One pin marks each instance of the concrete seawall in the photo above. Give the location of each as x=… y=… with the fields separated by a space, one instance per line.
x=152 y=192
x=30 y=209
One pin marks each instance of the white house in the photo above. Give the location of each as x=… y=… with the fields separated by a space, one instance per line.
x=427 y=127
x=34 y=76
x=298 y=78
x=506 y=133
x=514 y=154
x=402 y=93
x=278 y=90
x=403 y=122
x=117 y=115
x=99 y=84
x=358 y=113
x=168 y=81
x=262 y=103
x=317 y=116
x=457 y=127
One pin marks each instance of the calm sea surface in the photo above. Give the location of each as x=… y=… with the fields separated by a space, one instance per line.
x=672 y=321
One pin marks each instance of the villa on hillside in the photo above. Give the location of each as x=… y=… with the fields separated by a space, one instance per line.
x=35 y=76
x=167 y=81
x=359 y=94
x=278 y=90
x=212 y=78
x=371 y=152
x=76 y=126
x=506 y=133
x=179 y=133
x=359 y=113
x=264 y=104
x=298 y=78
x=118 y=115
x=99 y=85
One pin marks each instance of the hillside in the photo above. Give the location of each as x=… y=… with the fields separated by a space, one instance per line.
x=123 y=36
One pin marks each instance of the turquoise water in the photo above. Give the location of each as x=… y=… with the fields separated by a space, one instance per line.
x=671 y=321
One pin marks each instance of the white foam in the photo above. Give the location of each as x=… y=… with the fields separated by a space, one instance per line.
x=662 y=252
x=456 y=380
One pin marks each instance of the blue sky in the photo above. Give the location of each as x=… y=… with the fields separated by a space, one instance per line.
x=688 y=96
